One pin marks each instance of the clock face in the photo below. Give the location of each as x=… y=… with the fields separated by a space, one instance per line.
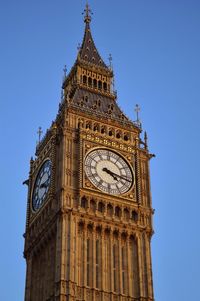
x=41 y=186
x=108 y=171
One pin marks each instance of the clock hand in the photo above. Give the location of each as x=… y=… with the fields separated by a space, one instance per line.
x=123 y=178
x=114 y=175
x=110 y=173
x=44 y=184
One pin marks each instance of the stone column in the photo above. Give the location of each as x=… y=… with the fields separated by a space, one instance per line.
x=103 y=264
x=129 y=265
x=85 y=261
x=140 y=263
x=149 y=268
x=93 y=262
x=120 y=290
x=111 y=264
x=28 y=278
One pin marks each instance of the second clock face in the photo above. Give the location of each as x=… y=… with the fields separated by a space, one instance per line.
x=108 y=171
x=41 y=185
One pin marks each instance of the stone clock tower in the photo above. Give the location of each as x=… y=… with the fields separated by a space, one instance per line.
x=89 y=211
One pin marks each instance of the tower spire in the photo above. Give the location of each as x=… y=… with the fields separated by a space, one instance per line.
x=88 y=13
x=88 y=51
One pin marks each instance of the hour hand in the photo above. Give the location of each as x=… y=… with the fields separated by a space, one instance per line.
x=115 y=176
x=44 y=184
x=110 y=173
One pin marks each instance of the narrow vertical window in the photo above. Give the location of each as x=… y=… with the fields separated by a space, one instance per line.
x=88 y=262
x=134 y=267
x=123 y=270
x=97 y=263
x=114 y=269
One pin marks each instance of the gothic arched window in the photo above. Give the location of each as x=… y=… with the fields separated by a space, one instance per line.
x=88 y=262
x=99 y=84
x=89 y=82
x=84 y=79
x=105 y=86
x=83 y=202
x=134 y=216
x=94 y=83
x=101 y=207
x=110 y=210
x=117 y=212
x=97 y=262
x=126 y=214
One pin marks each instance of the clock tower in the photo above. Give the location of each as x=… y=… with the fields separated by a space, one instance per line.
x=89 y=210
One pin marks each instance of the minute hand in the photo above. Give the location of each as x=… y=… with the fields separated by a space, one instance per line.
x=126 y=179
x=115 y=175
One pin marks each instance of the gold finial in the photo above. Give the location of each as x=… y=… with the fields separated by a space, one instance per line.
x=64 y=72
x=137 y=110
x=39 y=132
x=110 y=61
x=79 y=47
x=88 y=13
x=145 y=140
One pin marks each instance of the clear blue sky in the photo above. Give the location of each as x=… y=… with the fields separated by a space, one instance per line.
x=155 y=46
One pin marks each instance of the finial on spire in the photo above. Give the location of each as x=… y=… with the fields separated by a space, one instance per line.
x=137 y=110
x=145 y=140
x=64 y=72
x=79 y=47
x=39 y=132
x=62 y=94
x=88 y=13
x=110 y=61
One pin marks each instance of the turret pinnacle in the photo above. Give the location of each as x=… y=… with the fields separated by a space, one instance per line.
x=88 y=51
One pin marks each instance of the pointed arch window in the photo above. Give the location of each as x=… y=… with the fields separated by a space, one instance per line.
x=95 y=83
x=124 y=256
x=83 y=202
x=97 y=262
x=84 y=79
x=101 y=207
x=134 y=267
x=99 y=84
x=89 y=81
x=115 y=267
x=88 y=258
x=105 y=86
x=110 y=210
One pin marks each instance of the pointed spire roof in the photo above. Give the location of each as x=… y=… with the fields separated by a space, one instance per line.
x=88 y=51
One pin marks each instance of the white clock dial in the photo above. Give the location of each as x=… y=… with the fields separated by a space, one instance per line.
x=108 y=171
